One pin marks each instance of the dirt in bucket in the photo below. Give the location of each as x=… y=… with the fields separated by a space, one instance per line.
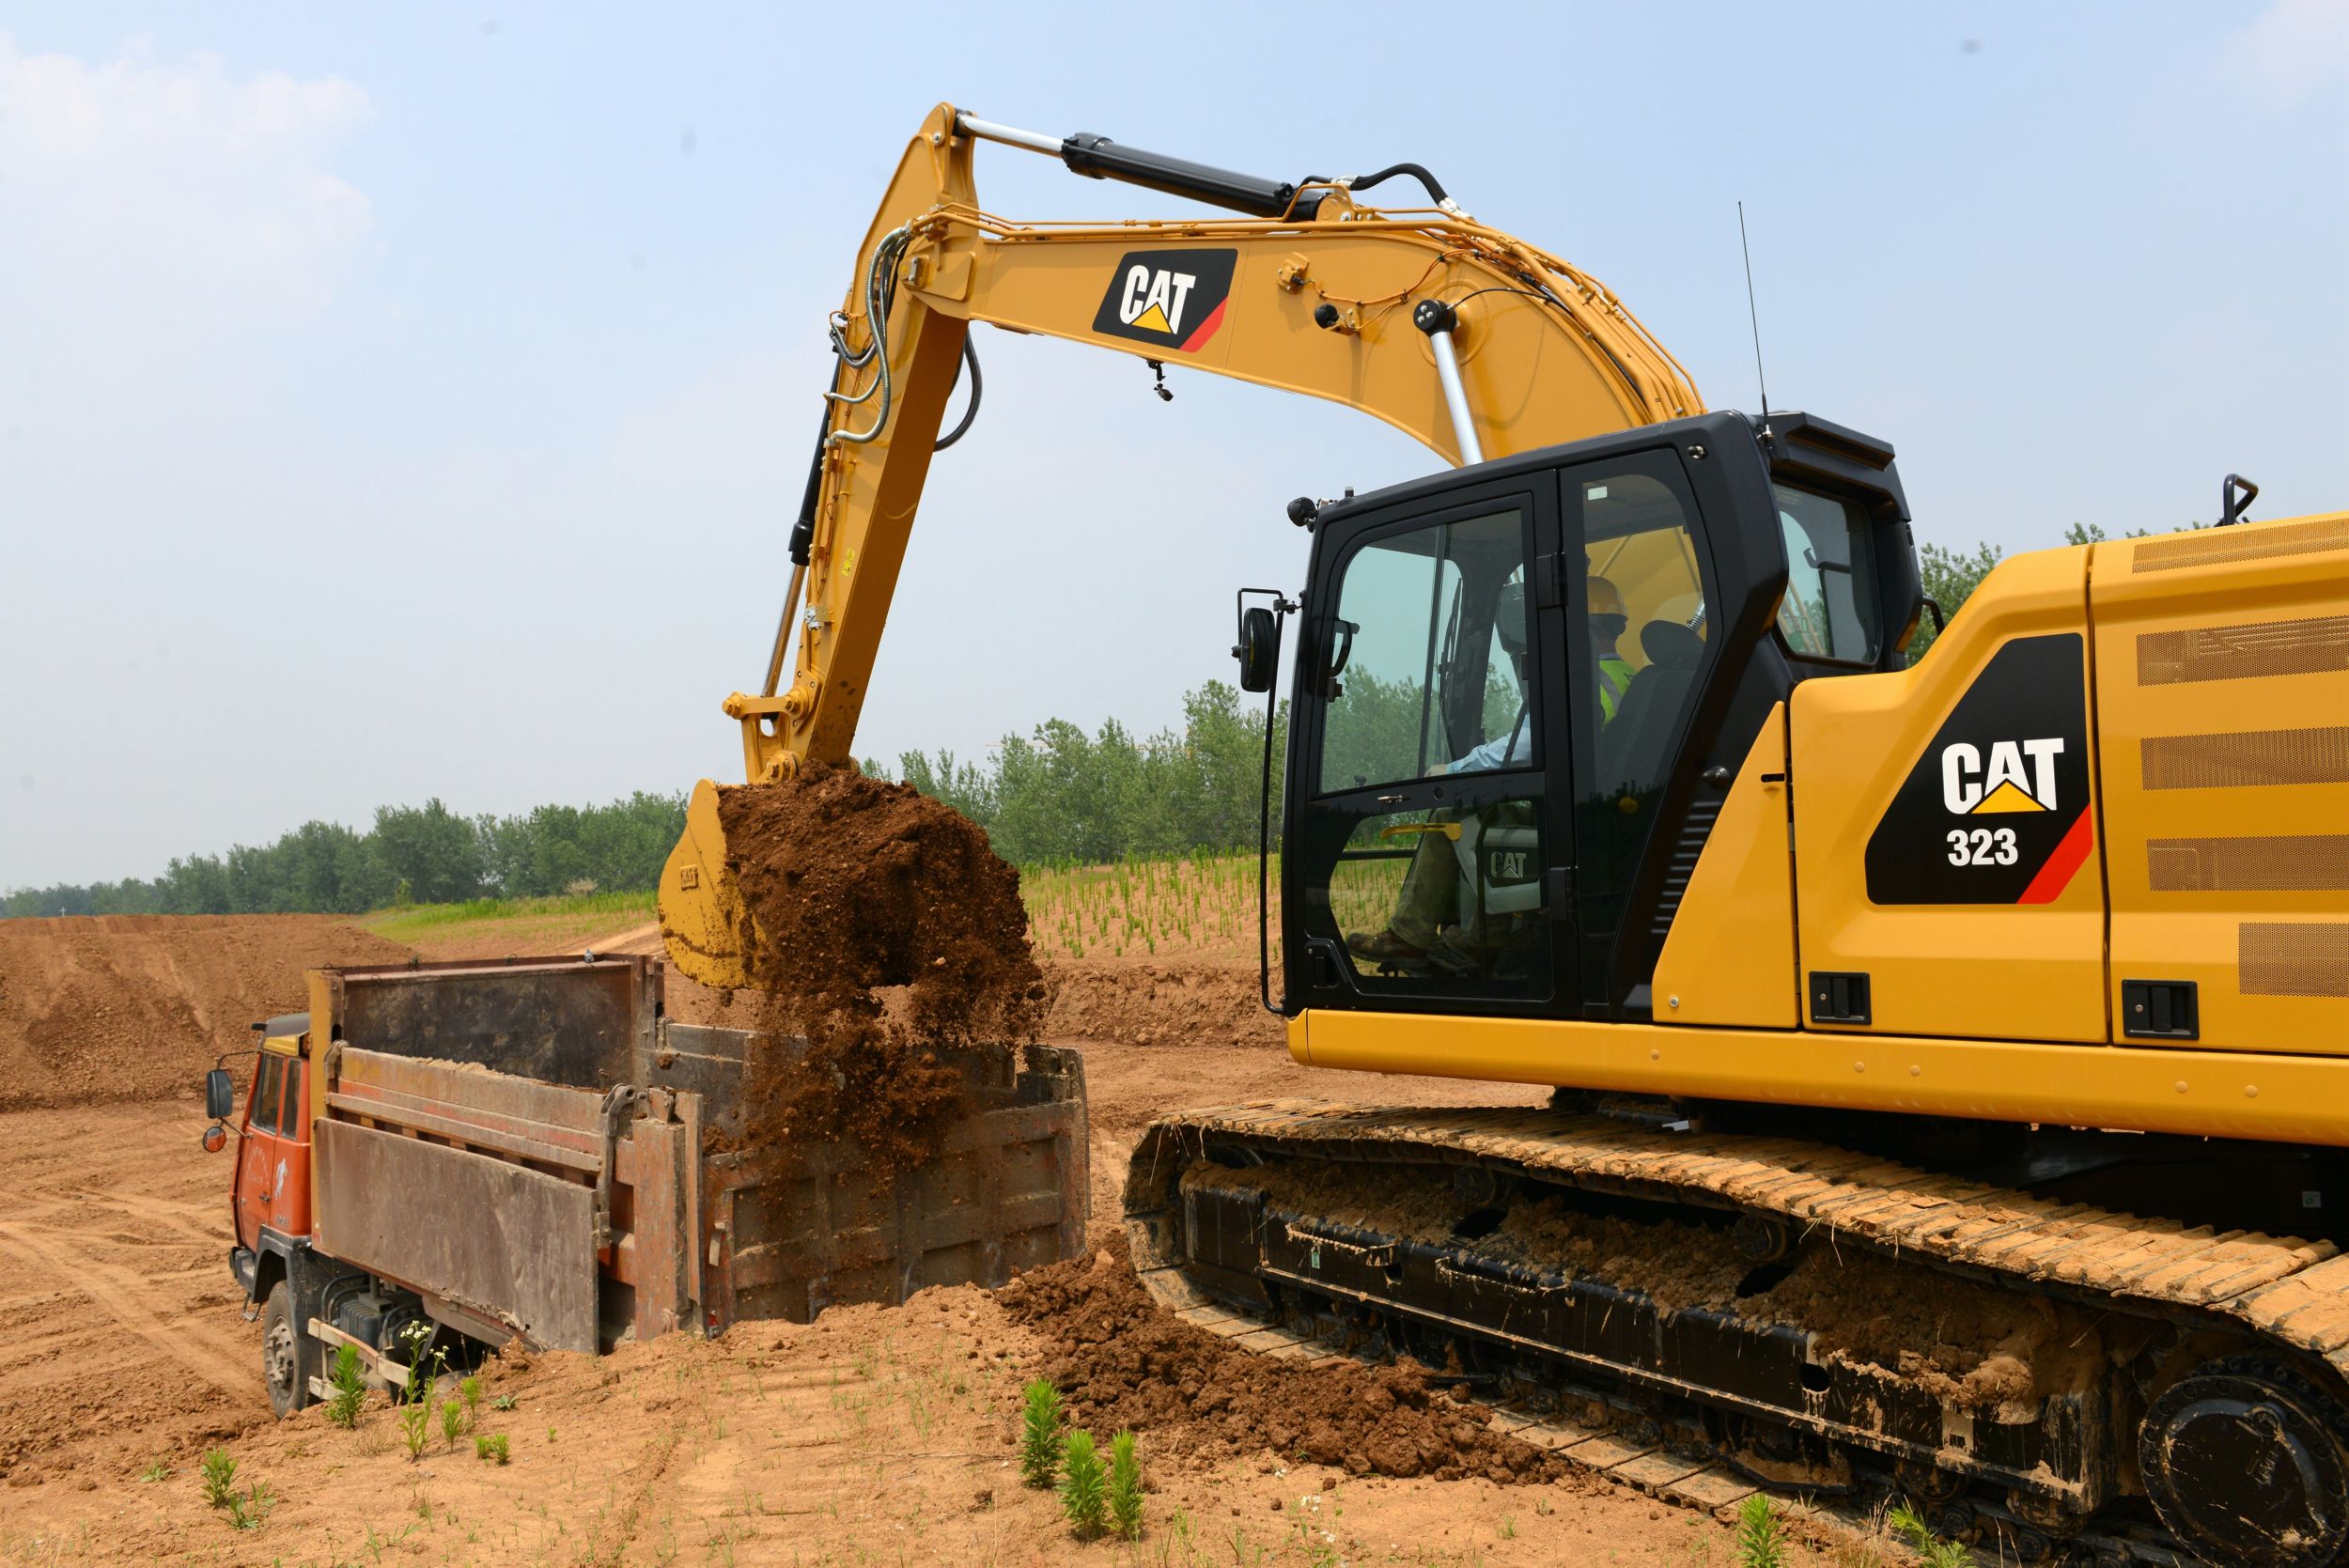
x=889 y=934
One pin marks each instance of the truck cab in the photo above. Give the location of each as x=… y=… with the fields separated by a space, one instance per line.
x=271 y=1189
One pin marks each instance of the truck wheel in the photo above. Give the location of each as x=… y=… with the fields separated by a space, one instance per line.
x=290 y=1357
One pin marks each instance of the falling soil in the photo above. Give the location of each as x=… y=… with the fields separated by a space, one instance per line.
x=1124 y=1363
x=1964 y=1342
x=888 y=932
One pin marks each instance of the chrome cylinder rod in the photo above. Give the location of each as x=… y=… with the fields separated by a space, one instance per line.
x=1438 y=320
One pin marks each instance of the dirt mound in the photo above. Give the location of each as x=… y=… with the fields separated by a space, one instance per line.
x=887 y=929
x=116 y=1007
x=1149 y=1003
x=1123 y=1362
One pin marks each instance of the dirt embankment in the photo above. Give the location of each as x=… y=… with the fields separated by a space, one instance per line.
x=1150 y=1003
x=121 y=1007
x=889 y=931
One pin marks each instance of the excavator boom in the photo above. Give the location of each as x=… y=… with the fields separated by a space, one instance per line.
x=1469 y=340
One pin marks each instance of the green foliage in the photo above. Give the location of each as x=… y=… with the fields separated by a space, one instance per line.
x=1761 y=1539
x=452 y=1422
x=350 y=1387
x=470 y=1388
x=490 y=1449
x=220 y=1476
x=1062 y=796
x=413 y=854
x=249 y=1508
x=1125 y=1488
x=1950 y=577
x=1040 y=1434
x=1932 y=1551
x=415 y=1426
x=1084 y=1487
x=157 y=1471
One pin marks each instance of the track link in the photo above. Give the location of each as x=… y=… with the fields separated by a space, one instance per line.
x=2212 y=1421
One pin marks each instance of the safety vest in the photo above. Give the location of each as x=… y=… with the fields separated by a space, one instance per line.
x=1615 y=676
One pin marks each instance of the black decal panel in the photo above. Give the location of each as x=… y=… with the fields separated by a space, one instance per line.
x=1170 y=299
x=1995 y=810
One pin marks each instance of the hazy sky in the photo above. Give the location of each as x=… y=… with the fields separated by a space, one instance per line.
x=408 y=401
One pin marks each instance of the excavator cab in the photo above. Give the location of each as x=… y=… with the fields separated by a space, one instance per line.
x=1522 y=688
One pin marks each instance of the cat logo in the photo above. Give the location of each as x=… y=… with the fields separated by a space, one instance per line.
x=1167 y=299
x=2010 y=763
x=1968 y=790
x=1508 y=866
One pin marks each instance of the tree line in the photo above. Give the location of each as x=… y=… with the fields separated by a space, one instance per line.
x=1057 y=795
x=423 y=854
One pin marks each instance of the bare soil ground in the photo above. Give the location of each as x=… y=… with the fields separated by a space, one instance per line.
x=872 y=1437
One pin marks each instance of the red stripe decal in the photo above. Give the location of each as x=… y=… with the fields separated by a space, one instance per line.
x=2057 y=874
x=1205 y=329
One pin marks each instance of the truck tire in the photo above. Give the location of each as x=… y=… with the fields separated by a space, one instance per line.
x=289 y=1357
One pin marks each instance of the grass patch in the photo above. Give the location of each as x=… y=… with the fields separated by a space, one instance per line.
x=420 y=920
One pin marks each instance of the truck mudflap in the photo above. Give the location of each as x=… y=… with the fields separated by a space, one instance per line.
x=2214 y=1404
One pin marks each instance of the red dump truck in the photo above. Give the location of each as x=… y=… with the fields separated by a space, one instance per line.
x=451 y=1156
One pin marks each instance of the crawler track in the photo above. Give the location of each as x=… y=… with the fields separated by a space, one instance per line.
x=2208 y=1415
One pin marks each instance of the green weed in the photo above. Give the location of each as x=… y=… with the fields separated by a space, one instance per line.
x=349 y=1380
x=157 y=1471
x=1039 y=1435
x=452 y=1422
x=1932 y=1551
x=1125 y=1488
x=415 y=1426
x=491 y=1448
x=220 y=1476
x=469 y=1386
x=246 y=1510
x=1761 y=1539
x=1083 y=1487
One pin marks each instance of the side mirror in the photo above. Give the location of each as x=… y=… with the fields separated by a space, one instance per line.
x=215 y=1139
x=220 y=1094
x=1258 y=649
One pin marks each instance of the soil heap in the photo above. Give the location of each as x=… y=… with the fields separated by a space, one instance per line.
x=888 y=931
x=134 y=1007
x=1123 y=1363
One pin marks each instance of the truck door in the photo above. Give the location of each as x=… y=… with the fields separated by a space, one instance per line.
x=289 y=1194
x=259 y=1151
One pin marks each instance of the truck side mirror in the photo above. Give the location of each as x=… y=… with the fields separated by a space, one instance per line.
x=215 y=1139
x=1258 y=649
x=220 y=1094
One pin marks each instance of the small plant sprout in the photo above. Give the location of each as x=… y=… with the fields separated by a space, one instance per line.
x=220 y=1476
x=350 y=1387
x=1039 y=1435
x=1125 y=1488
x=247 y=1508
x=415 y=1426
x=490 y=1449
x=469 y=1386
x=1761 y=1541
x=452 y=1422
x=157 y=1471
x=1932 y=1551
x=1083 y=1487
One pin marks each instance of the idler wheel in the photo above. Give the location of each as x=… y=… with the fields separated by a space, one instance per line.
x=2245 y=1463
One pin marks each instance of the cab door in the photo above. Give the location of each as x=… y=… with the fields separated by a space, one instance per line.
x=260 y=1151
x=1424 y=852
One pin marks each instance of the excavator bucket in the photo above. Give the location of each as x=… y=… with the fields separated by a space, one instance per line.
x=709 y=929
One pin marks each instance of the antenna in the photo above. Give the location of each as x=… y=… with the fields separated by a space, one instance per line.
x=1756 y=317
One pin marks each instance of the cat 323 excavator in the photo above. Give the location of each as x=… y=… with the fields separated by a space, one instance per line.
x=1950 y=1058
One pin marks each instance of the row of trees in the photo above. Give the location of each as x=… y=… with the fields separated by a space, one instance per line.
x=423 y=854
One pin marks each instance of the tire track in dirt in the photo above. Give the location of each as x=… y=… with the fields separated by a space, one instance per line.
x=196 y=1346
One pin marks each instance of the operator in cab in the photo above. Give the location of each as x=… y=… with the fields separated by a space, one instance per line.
x=1426 y=932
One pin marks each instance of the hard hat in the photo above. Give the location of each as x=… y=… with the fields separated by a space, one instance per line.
x=1605 y=601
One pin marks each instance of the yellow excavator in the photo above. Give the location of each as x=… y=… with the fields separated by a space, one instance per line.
x=1950 y=1060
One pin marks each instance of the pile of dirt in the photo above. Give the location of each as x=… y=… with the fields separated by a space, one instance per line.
x=1124 y=1363
x=1160 y=1003
x=119 y=1007
x=887 y=932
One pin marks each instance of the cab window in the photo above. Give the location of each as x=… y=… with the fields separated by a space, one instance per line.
x=269 y=1094
x=1830 y=611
